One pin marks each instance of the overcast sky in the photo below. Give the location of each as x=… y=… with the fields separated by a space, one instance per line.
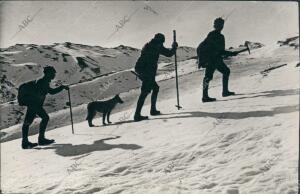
x=94 y=22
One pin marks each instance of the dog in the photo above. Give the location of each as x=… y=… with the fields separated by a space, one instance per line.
x=104 y=107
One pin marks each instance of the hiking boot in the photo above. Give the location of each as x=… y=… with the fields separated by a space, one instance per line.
x=44 y=141
x=28 y=145
x=205 y=97
x=91 y=125
x=140 y=118
x=228 y=93
x=154 y=112
x=208 y=99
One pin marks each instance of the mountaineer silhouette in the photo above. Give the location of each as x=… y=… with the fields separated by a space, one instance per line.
x=211 y=52
x=146 y=67
x=32 y=94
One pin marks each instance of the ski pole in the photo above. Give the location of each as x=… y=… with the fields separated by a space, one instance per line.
x=70 y=105
x=176 y=74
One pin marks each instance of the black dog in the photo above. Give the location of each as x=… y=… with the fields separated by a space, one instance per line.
x=104 y=107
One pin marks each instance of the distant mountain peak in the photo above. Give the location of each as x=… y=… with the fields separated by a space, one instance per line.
x=123 y=47
x=292 y=41
x=252 y=45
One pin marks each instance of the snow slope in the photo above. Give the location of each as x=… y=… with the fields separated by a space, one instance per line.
x=242 y=144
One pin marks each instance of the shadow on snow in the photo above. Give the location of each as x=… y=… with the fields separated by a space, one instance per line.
x=68 y=150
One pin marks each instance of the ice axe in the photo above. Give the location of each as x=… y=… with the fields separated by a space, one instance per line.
x=176 y=73
x=59 y=83
x=246 y=49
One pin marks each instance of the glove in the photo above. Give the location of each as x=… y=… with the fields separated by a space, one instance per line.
x=174 y=45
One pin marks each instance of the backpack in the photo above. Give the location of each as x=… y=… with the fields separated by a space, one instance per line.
x=203 y=54
x=26 y=92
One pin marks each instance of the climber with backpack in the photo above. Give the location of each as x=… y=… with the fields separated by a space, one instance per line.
x=146 y=68
x=32 y=94
x=210 y=56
